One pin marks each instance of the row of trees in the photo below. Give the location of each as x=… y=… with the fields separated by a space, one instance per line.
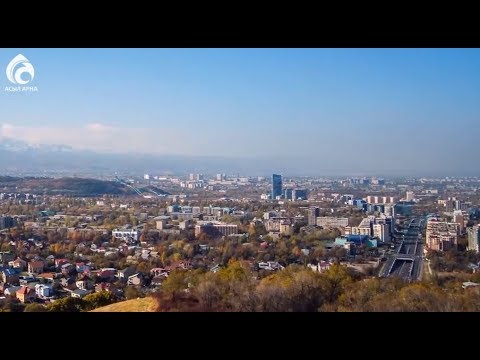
x=296 y=288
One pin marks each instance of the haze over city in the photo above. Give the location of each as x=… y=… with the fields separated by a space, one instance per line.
x=296 y=111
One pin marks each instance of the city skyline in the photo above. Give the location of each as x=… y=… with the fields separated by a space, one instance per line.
x=312 y=111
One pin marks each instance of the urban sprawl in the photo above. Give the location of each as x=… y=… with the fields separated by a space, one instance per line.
x=59 y=246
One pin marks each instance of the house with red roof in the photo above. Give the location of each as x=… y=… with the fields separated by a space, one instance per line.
x=25 y=294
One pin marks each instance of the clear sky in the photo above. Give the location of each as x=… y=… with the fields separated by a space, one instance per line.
x=377 y=110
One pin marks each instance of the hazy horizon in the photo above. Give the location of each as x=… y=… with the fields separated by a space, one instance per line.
x=345 y=111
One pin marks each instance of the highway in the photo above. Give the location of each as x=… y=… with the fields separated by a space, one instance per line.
x=406 y=260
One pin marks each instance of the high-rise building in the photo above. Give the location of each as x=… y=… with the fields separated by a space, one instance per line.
x=409 y=196
x=276 y=186
x=195 y=177
x=474 y=238
x=440 y=235
x=388 y=209
x=458 y=205
x=313 y=213
x=288 y=194
x=7 y=222
x=449 y=205
x=381 y=231
x=299 y=194
x=459 y=219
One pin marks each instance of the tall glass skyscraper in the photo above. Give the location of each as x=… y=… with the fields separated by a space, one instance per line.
x=276 y=186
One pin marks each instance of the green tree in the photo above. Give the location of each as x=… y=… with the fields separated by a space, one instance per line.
x=35 y=308
x=334 y=281
x=68 y=304
x=95 y=300
x=175 y=282
x=132 y=293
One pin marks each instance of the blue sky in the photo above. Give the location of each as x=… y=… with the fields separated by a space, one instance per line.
x=363 y=109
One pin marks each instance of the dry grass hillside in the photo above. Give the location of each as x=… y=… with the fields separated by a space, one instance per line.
x=147 y=304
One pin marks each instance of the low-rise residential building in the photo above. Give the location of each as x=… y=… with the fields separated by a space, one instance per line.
x=126 y=273
x=36 y=267
x=136 y=280
x=285 y=227
x=18 y=263
x=129 y=235
x=80 y=293
x=270 y=265
x=327 y=221
x=25 y=294
x=216 y=229
x=10 y=276
x=107 y=274
x=43 y=291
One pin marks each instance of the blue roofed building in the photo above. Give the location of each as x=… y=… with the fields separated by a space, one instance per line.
x=10 y=276
x=357 y=240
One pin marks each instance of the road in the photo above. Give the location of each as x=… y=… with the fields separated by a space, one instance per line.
x=406 y=261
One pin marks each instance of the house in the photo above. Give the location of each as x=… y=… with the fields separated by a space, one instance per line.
x=11 y=291
x=66 y=268
x=38 y=244
x=216 y=268
x=25 y=294
x=66 y=282
x=10 y=276
x=3 y=286
x=131 y=259
x=321 y=266
x=18 y=263
x=80 y=266
x=158 y=272
x=136 y=279
x=43 y=291
x=107 y=274
x=84 y=284
x=183 y=265
x=270 y=265
x=35 y=267
x=469 y=284
x=158 y=280
x=25 y=280
x=80 y=293
x=126 y=273
x=47 y=276
x=60 y=262
x=103 y=286
x=6 y=257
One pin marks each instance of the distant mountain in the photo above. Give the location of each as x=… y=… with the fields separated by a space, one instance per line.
x=13 y=145
x=20 y=158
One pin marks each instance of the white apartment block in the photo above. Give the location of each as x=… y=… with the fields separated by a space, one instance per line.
x=332 y=221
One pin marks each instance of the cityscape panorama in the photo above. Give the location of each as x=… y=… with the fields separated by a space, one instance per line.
x=239 y=180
